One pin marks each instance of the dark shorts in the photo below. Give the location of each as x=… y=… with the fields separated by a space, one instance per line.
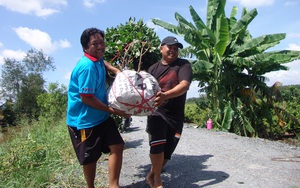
x=89 y=144
x=162 y=137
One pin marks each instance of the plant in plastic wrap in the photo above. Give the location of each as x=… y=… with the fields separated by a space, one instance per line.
x=133 y=92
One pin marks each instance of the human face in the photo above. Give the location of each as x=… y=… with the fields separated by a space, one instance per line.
x=96 y=46
x=169 y=53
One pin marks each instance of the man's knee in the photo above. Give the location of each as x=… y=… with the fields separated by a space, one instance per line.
x=116 y=148
x=157 y=149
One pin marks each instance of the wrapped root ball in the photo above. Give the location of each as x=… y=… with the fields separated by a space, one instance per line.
x=133 y=92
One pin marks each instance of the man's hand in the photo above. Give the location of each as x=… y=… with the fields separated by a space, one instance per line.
x=120 y=113
x=160 y=99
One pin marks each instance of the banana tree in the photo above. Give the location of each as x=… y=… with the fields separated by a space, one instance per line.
x=230 y=65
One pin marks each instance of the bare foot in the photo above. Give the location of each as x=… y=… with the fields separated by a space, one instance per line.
x=150 y=180
x=157 y=182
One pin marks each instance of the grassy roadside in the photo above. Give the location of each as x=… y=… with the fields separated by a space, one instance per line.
x=41 y=155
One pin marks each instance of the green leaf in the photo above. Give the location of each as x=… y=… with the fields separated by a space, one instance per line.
x=165 y=25
x=259 y=41
x=232 y=16
x=202 y=66
x=196 y=18
x=222 y=35
x=209 y=13
x=227 y=117
x=181 y=20
x=243 y=23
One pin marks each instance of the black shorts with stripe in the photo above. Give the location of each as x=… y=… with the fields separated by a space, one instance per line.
x=89 y=144
x=162 y=137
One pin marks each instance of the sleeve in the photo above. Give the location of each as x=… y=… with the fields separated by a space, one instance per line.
x=86 y=81
x=185 y=72
x=150 y=69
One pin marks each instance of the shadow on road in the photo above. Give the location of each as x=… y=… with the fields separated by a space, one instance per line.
x=133 y=144
x=132 y=129
x=184 y=171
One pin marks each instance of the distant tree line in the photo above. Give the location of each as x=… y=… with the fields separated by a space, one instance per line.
x=24 y=93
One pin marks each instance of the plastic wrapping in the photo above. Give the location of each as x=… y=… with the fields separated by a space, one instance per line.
x=133 y=92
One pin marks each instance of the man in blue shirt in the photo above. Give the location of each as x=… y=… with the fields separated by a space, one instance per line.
x=91 y=128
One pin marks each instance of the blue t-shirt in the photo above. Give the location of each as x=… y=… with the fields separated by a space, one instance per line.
x=88 y=77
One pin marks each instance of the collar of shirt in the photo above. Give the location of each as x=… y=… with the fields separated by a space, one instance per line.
x=90 y=57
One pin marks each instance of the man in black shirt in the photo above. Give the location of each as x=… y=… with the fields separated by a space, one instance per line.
x=165 y=125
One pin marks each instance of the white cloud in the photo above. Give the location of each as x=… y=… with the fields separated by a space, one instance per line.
x=291 y=2
x=289 y=77
x=254 y=3
x=294 y=47
x=64 y=43
x=193 y=92
x=150 y=24
x=11 y=54
x=35 y=38
x=293 y=35
x=157 y=28
x=1 y=60
x=40 y=40
x=67 y=75
x=91 y=3
x=41 y=8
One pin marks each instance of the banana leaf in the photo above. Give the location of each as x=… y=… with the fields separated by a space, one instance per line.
x=222 y=35
x=181 y=19
x=202 y=66
x=259 y=41
x=243 y=23
x=170 y=27
x=201 y=26
x=285 y=56
x=227 y=117
x=196 y=18
x=232 y=19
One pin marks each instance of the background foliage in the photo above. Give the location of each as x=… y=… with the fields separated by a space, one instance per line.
x=22 y=82
x=132 y=46
x=229 y=65
x=198 y=111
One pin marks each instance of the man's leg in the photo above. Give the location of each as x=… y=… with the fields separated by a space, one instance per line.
x=173 y=138
x=150 y=178
x=156 y=129
x=153 y=178
x=115 y=164
x=89 y=171
x=165 y=162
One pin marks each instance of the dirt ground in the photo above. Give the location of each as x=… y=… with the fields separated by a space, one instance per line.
x=208 y=158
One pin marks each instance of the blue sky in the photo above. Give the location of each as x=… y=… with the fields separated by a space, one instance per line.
x=56 y=25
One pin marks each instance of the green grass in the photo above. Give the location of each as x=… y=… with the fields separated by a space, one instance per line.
x=41 y=155
x=195 y=115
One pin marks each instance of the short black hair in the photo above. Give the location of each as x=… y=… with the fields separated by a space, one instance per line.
x=87 y=33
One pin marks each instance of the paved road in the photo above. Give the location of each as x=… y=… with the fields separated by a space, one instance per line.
x=206 y=158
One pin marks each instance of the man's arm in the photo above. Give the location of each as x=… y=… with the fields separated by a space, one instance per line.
x=111 y=68
x=97 y=104
x=176 y=91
